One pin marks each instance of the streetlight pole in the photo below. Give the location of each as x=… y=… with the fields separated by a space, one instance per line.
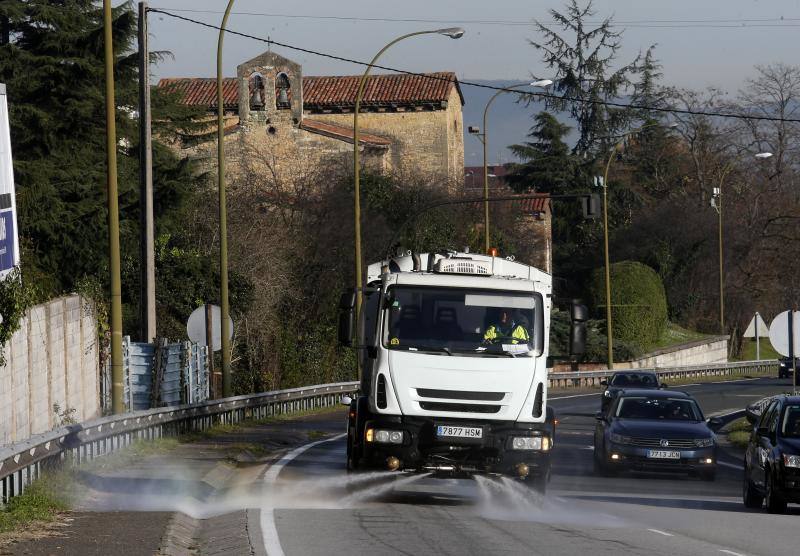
x=716 y=202
x=223 y=217
x=617 y=145
x=485 y=140
x=117 y=374
x=453 y=33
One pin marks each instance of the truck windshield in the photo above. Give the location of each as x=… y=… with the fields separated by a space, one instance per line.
x=447 y=320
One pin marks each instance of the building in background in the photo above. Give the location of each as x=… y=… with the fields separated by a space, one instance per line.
x=295 y=124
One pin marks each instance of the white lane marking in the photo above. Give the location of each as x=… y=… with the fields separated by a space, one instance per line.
x=661 y=532
x=731 y=465
x=598 y=393
x=269 y=531
x=731 y=552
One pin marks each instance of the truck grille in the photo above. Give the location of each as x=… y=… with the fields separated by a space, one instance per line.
x=656 y=442
x=460 y=395
x=459 y=407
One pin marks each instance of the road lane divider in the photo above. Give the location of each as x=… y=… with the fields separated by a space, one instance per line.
x=269 y=530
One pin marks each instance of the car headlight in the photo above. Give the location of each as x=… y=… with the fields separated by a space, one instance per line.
x=784 y=364
x=791 y=461
x=704 y=442
x=384 y=436
x=619 y=439
x=540 y=443
x=607 y=394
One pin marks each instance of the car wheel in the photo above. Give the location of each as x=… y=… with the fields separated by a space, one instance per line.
x=602 y=468
x=776 y=504
x=750 y=497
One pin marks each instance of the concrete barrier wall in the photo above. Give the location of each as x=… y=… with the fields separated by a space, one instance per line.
x=702 y=352
x=52 y=359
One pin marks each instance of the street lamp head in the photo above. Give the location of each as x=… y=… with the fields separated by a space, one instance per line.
x=763 y=155
x=452 y=32
x=542 y=83
x=474 y=130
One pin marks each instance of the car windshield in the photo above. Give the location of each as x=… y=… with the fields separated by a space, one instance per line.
x=638 y=380
x=448 y=320
x=791 y=422
x=672 y=409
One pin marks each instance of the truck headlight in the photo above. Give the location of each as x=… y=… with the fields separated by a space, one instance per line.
x=619 y=439
x=791 y=461
x=540 y=443
x=384 y=436
x=704 y=442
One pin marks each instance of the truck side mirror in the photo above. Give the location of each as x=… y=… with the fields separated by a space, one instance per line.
x=579 y=314
x=347 y=304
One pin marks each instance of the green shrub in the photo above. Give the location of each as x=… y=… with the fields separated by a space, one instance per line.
x=638 y=303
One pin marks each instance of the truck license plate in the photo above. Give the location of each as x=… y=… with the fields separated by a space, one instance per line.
x=663 y=454
x=459 y=432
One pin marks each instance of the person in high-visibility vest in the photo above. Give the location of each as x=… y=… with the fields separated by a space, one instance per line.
x=506 y=330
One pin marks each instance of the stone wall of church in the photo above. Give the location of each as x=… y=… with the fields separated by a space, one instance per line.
x=428 y=141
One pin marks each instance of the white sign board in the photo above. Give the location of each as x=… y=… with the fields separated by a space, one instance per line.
x=9 y=242
x=196 y=327
x=779 y=333
x=757 y=322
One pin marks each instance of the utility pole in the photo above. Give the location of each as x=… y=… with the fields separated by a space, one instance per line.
x=147 y=265
x=117 y=378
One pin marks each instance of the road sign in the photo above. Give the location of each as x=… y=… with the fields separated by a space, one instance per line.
x=757 y=328
x=779 y=332
x=196 y=327
x=9 y=242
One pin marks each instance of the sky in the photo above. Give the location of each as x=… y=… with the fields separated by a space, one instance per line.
x=718 y=49
x=700 y=43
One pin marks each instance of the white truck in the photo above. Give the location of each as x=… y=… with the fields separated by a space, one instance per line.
x=438 y=394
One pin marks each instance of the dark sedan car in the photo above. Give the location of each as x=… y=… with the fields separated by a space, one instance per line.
x=772 y=459
x=785 y=366
x=654 y=430
x=627 y=379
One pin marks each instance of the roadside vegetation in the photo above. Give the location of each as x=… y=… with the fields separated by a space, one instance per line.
x=41 y=502
x=739 y=432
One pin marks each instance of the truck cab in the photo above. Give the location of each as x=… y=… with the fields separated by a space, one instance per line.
x=453 y=367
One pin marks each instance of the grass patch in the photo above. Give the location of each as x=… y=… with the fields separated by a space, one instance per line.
x=739 y=432
x=674 y=334
x=748 y=352
x=42 y=501
x=317 y=435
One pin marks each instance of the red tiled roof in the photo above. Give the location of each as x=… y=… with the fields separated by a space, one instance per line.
x=329 y=92
x=380 y=90
x=538 y=204
x=344 y=133
x=202 y=91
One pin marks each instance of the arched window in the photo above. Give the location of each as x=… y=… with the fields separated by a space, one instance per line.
x=256 y=92
x=283 y=97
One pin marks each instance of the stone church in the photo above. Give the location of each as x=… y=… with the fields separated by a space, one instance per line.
x=408 y=123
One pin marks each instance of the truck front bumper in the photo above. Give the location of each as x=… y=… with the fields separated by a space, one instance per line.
x=422 y=449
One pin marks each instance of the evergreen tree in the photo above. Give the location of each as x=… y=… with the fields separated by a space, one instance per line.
x=582 y=58
x=547 y=165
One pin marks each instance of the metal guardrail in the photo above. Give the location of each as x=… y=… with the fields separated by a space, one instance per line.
x=592 y=378
x=22 y=463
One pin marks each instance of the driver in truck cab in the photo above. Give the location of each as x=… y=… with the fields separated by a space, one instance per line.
x=507 y=330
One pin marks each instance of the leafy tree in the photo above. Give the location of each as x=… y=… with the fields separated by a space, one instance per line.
x=582 y=57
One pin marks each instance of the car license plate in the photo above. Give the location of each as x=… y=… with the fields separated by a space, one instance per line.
x=663 y=454
x=459 y=432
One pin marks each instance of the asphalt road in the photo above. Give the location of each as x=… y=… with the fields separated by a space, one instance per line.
x=311 y=506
